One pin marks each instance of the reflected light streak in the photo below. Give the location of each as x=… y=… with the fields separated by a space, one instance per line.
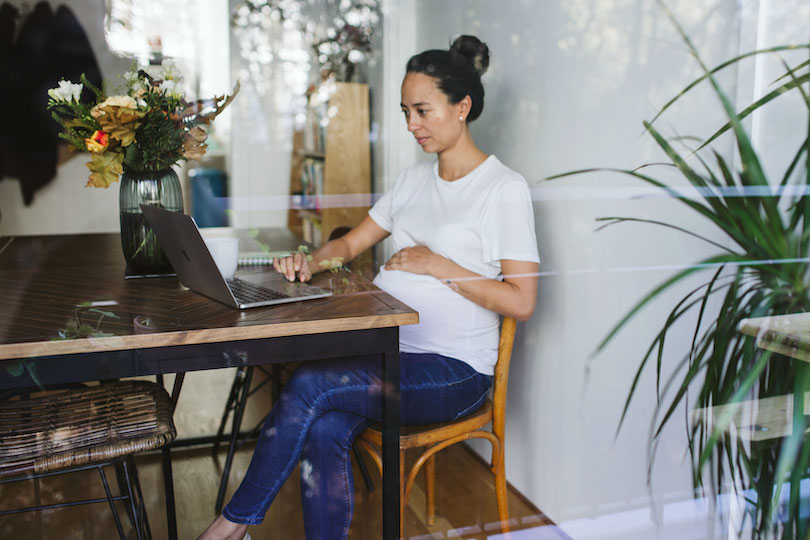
x=538 y=195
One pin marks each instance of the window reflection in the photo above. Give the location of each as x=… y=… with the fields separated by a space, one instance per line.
x=572 y=82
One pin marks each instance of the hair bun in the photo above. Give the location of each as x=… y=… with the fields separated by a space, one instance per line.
x=474 y=50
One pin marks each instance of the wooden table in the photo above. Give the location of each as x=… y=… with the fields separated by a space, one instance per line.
x=68 y=315
x=772 y=417
x=784 y=334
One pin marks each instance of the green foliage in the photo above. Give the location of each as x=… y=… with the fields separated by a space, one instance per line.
x=158 y=144
x=766 y=272
x=84 y=323
x=97 y=93
x=159 y=139
x=18 y=367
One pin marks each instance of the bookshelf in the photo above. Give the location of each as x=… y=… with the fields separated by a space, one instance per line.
x=330 y=182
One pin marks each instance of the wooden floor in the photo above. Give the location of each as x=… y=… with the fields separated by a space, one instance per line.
x=464 y=490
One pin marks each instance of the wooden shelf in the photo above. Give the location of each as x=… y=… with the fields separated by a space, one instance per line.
x=341 y=178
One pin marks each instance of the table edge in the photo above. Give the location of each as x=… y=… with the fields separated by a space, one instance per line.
x=15 y=351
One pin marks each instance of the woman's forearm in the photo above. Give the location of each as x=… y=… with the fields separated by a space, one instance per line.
x=334 y=249
x=350 y=245
x=515 y=296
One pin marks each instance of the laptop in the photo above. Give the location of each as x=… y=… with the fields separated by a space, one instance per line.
x=184 y=246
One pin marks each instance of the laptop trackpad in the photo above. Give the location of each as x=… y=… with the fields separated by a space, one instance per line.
x=277 y=282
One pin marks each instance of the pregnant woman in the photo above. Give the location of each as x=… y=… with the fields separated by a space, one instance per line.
x=463 y=232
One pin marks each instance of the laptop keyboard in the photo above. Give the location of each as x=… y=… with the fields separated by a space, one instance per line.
x=249 y=293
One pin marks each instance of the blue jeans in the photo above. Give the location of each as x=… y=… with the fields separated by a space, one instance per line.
x=318 y=415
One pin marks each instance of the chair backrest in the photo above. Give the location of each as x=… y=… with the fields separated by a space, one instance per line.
x=501 y=379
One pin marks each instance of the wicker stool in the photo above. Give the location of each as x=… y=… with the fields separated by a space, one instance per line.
x=92 y=427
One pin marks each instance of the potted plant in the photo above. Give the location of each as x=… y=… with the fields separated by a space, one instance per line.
x=138 y=134
x=765 y=221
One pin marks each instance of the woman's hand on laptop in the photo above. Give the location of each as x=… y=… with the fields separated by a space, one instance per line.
x=296 y=263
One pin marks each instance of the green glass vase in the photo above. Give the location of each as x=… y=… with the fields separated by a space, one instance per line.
x=142 y=250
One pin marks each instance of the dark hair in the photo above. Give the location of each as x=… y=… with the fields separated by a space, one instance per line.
x=457 y=71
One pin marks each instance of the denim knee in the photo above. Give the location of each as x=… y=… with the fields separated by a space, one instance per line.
x=309 y=381
x=330 y=430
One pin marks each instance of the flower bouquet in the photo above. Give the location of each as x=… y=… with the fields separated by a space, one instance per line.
x=137 y=135
x=147 y=127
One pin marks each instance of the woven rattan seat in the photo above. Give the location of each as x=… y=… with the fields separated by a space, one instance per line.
x=69 y=428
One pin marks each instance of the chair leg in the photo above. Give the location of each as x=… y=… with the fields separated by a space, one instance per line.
x=121 y=480
x=500 y=493
x=142 y=515
x=237 y=423
x=38 y=501
x=363 y=469
x=430 y=488
x=131 y=496
x=116 y=518
x=168 y=489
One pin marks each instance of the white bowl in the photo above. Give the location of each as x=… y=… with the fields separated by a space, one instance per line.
x=225 y=252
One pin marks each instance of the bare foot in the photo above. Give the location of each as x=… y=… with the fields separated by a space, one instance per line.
x=222 y=529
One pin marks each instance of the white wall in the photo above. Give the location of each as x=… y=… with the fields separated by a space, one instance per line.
x=568 y=87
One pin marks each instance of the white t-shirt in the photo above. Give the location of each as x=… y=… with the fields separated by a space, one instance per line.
x=475 y=221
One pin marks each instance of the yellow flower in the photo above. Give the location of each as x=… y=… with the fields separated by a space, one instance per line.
x=119 y=117
x=118 y=101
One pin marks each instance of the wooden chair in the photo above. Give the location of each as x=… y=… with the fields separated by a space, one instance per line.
x=436 y=437
x=76 y=429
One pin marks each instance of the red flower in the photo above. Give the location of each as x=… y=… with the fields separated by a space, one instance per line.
x=98 y=142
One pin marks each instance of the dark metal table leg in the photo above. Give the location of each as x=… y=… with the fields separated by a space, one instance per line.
x=168 y=481
x=390 y=437
x=229 y=407
x=237 y=421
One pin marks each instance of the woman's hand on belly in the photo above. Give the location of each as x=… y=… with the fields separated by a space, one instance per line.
x=416 y=260
x=515 y=296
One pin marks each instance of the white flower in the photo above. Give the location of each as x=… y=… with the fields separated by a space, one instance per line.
x=76 y=91
x=171 y=88
x=119 y=101
x=66 y=91
x=170 y=71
